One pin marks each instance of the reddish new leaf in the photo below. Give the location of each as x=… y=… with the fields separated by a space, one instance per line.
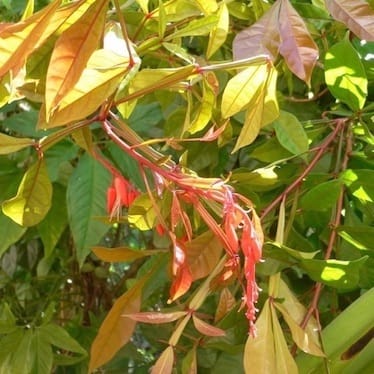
x=71 y=53
x=225 y=304
x=260 y=38
x=207 y=329
x=357 y=15
x=156 y=317
x=122 y=254
x=297 y=46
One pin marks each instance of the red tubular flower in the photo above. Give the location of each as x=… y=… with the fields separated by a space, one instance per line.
x=121 y=193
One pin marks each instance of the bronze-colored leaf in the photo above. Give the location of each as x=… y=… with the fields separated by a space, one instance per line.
x=357 y=15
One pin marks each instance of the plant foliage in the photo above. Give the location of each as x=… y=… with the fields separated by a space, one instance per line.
x=206 y=166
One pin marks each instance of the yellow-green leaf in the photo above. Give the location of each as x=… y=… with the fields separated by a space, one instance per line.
x=141 y=213
x=259 y=351
x=242 y=88
x=219 y=33
x=165 y=362
x=33 y=198
x=18 y=40
x=300 y=336
x=29 y=10
x=122 y=254
x=99 y=80
x=71 y=53
x=284 y=361
x=207 y=6
x=143 y=5
x=10 y=144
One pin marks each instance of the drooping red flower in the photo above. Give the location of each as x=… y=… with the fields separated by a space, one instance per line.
x=121 y=193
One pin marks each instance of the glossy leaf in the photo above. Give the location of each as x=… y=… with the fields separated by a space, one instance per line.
x=356 y=15
x=18 y=40
x=10 y=144
x=165 y=362
x=290 y=133
x=72 y=52
x=156 y=317
x=85 y=201
x=297 y=46
x=122 y=254
x=33 y=198
x=322 y=197
x=345 y=76
x=218 y=35
x=99 y=79
x=141 y=213
x=343 y=275
x=205 y=328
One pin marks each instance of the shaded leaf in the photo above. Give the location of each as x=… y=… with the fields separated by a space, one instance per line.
x=290 y=133
x=122 y=254
x=71 y=53
x=10 y=232
x=155 y=317
x=359 y=236
x=205 y=328
x=165 y=362
x=322 y=197
x=357 y=15
x=86 y=200
x=10 y=144
x=43 y=360
x=225 y=304
x=360 y=182
x=343 y=275
x=203 y=254
x=33 y=198
x=189 y=363
x=345 y=75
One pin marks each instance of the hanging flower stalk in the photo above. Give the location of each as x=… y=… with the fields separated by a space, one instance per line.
x=227 y=214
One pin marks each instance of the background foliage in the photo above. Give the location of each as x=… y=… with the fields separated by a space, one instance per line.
x=110 y=112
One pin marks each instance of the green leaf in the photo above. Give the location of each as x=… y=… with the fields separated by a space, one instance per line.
x=24 y=354
x=343 y=275
x=359 y=236
x=10 y=232
x=51 y=228
x=86 y=196
x=122 y=254
x=360 y=183
x=33 y=198
x=141 y=213
x=345 y=75
x=43 y=354
x=290 y=133
x=10 y=144
x=322 y=197
x=196 y=27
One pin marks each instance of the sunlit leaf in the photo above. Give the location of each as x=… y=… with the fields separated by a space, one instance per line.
x=345 y=75
x=205 y=328
x=10 y=144
x=297 y=46
x=122 y=254
x=357 y=15
x=99 y=80
x=207 y=6
x=33 y=198
x=219 y=33
x=71 y=53
x=18 y=40
x=360 y=182
x=29 y=10
x=343 y=275
x=165 y=362
x=143 y=5
x=196 y=27
x=242 y=88
x=290 y=133
x=359 y=236
x=141 y=213
x=155 y=317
